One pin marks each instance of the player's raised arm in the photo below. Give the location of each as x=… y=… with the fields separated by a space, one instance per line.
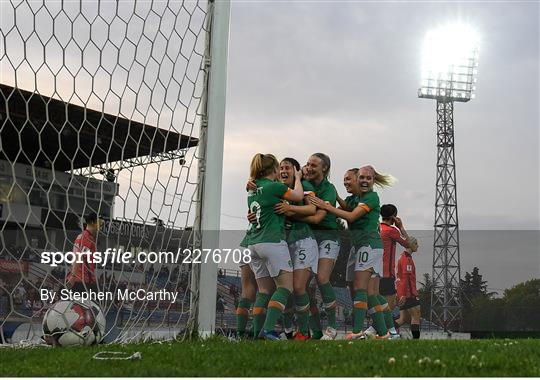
x=396 y=234
x=342 y=203
x=252 y=217
x=295 y=210
x=296 y=194
x=321 y=212
x=313 y=219
x=251 y=185
x=349 y=216
x=404 y=239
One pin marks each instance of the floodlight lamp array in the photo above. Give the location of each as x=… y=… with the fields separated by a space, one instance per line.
x=450 y=64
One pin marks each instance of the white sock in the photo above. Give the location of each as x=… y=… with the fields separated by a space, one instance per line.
x=393 y=331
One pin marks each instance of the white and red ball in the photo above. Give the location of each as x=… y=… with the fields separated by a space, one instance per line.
x=72 y=323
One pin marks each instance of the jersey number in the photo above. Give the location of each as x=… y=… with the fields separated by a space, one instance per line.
x=363 y=256
x=302 y=254
x=255 y=207
x=327 y=246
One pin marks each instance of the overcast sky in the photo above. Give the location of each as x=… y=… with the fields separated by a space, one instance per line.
x=335 y=77
x=304 y=77
x=342 y=78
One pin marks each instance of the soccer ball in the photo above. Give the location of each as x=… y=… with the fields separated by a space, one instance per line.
x=72 y=323
x=99 y=321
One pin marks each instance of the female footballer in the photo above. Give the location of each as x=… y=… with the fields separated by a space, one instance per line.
x=247 y=297
x=270 y=258
x=324 y=225
x=302 y=244
x=409 y=304
x=392 y=233
x=361 y=211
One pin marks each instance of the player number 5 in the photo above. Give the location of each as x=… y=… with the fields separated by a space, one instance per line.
x=302 y=254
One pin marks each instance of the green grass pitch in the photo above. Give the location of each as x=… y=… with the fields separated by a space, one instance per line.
x=218 y=357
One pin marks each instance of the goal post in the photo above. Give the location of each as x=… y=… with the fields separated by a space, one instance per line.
x=210 y=166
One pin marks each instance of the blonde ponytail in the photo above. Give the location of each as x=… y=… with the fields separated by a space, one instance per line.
x=262 y=165
x=383 y=180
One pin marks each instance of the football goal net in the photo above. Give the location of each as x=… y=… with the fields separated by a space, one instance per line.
x=117 y=109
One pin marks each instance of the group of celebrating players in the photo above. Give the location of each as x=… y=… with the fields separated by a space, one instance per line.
x=294 y=242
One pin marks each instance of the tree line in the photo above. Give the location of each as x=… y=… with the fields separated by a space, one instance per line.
x=513 y=313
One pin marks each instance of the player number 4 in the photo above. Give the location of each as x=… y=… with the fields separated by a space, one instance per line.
x=327 y=246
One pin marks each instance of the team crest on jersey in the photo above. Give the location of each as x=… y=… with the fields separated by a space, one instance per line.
x=258 y=191
x=409 y=268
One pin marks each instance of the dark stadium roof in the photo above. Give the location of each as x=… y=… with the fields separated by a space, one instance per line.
x=51 y=133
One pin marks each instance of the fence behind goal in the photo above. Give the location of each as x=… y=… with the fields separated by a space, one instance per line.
x=101 y=110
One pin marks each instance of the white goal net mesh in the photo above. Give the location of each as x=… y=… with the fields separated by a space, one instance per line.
x=100 y=111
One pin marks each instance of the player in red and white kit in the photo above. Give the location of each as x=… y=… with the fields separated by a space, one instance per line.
x=392 y=233
x=409 y=304
x=82 y=277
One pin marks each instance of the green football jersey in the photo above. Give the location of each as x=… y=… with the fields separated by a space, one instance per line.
x=246 y=240
x=269 y=227
x=300 y=230
x=327 y=228
x=365 y=230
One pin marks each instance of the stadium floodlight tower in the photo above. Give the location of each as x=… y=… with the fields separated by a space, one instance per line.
x=449 y=68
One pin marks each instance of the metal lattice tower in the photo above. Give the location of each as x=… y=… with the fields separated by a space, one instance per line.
x=445 y=300
x=449 y=69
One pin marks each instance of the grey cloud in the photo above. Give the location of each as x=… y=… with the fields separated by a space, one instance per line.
x=342 y=78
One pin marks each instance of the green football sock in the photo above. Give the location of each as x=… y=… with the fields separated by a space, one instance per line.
x=275 y=308
x=302 y=312
x=242 y=315
x=259 y=312
x=288 y=314
x=359 y=310
x=329 y=300
x=377 y=315
x=315 y=320
x=386 y=312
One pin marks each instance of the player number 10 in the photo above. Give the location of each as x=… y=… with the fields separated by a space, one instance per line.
x=363 y=256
